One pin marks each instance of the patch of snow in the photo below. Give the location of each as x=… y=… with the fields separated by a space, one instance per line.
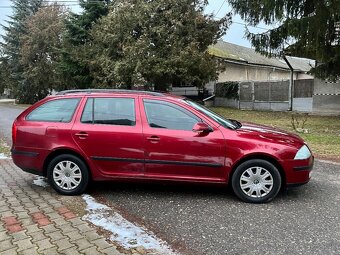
x=126 y=233
x=3 y=156
x=40 y=181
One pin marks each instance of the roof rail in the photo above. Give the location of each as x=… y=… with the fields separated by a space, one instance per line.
x=89 y=91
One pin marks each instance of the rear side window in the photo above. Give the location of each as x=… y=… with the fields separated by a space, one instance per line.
x=60 y=110
x=110 y=111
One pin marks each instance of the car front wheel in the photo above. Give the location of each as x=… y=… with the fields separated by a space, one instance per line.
x=68 y=174
x=256 y=181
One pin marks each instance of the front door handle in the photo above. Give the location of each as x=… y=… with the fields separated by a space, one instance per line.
x=153 y=139
x=82 y=135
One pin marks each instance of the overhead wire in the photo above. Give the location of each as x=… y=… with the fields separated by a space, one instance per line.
x=220 y=8
x=69 y=3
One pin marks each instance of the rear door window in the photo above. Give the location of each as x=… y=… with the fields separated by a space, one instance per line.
x=59 y=110
x=110 y=111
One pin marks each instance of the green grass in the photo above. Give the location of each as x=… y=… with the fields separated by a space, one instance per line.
x=323 y=132
x=4 y=148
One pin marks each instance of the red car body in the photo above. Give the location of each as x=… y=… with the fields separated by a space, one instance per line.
x=113 y=152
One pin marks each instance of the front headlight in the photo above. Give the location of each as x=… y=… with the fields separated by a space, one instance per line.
x=303 y=153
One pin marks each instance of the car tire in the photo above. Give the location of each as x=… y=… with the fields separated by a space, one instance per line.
x=68 y=174
x=256 y=181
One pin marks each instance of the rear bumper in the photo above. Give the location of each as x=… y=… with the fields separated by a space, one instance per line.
x=28 y=160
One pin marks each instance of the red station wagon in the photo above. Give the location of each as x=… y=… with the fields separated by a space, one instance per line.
x=82 y=135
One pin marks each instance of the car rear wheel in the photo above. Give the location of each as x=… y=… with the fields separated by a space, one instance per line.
x=68 y=174
x=256 y=181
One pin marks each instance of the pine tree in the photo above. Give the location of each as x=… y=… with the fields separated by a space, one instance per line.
x=73 y=66
x=39 y=50
x=304 y=28
x=22 y=9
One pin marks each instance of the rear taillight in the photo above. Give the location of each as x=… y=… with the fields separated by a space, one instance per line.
x=14 y=132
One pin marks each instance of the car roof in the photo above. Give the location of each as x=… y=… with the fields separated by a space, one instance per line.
x=115 y=91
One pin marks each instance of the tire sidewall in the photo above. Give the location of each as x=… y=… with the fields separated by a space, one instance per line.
x=82 y=166
x=256 y=163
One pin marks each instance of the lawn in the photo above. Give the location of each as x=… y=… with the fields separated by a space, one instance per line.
x=323 y=132
x=4 y=148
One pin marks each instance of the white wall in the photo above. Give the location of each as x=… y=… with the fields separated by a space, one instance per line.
x=238 y=72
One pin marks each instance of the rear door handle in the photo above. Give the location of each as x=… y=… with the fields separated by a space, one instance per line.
x=153 y=139
x=82 y=135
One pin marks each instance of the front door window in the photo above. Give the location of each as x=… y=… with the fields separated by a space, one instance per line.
x=169 y=116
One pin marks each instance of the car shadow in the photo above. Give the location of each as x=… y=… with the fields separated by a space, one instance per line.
x=168 y=189
x=195 y=190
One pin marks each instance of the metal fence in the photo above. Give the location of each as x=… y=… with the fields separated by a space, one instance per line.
x=266 y=95
x=303 y=88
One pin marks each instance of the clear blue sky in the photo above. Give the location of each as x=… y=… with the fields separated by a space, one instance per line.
x=219 y=7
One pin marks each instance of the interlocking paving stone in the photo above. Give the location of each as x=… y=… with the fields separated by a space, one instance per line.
x=76 y=221
x=110 y=251
x=30 y=251
x=83 y=244
x=38 y=236
x=44 y=244
x=12 y=251
x=4 y=235
x=32 y=228
x=63 y=244
x=91 y=251
x=49 y=229
x=55 y=236
x=84 y=228
x=50 y=251
x=34 y=221
x=74 y=235
x=59 y=222
x=19 y=235
x=101 y=243
x=24 y=244
x=91 y=236
x=72 y=251
x=6 y=245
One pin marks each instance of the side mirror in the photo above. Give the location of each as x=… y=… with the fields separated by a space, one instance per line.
x=201 y=128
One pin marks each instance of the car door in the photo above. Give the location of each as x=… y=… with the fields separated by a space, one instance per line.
x=109 y=132
x=173 y=150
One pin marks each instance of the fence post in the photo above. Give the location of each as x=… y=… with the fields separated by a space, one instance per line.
x=253 y=94
x=239 y=95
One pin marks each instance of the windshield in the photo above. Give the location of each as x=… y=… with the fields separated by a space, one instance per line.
x=212 y=115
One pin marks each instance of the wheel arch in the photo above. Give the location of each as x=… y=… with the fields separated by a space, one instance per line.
x=61 y=151
x=262 y=156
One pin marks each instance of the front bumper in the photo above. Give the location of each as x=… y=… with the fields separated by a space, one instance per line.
x=298 y=172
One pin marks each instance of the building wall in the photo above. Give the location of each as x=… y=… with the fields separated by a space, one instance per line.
x=238 y=72
x=304 y=76
x=326 y=97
